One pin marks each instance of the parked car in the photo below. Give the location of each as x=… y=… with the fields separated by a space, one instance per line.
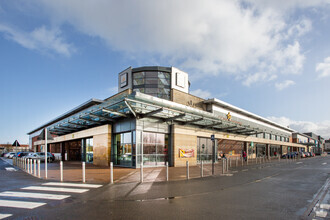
x=11 y=155
x=22 y=154
x=303 y=154
x=40 y=156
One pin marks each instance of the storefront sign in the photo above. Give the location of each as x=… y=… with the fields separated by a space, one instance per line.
x=229 y=116
x=186 y=153
x=123 y=80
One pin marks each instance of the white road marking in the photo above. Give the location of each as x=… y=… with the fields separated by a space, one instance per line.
x=10 y=169
x=325 y=206
x=321 y=214
x=54 y=189
x=324 y=163
x=20 y=204
x=299 y=162
x=2 y=216
x=34 y=195
x=82 y=185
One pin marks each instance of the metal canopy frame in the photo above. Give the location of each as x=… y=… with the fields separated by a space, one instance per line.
x=129 y=105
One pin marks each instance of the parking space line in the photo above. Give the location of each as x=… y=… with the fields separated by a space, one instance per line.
x=34 y=195
x=82 y=185
x=20 y=204
x=54 y=189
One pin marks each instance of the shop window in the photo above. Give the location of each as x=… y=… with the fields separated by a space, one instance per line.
x=155 y=149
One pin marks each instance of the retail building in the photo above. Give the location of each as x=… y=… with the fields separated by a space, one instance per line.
x=153 y=119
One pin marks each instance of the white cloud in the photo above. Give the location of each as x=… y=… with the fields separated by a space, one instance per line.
x=217 y=37
x=40 y=39
x=201 y=93
x=319 y=128
x=258 y=77
x=285 y=84
x=323 y=68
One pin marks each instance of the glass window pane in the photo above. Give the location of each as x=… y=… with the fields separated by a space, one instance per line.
x=137 y=82
x=151 y=74
x=149 y=149
x=138 y=75
x=160 y=138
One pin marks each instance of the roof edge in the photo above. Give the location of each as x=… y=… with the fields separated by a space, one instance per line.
x=79 y=108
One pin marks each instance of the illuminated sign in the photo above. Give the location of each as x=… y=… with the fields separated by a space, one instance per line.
x=123 y=80
x=180 y=79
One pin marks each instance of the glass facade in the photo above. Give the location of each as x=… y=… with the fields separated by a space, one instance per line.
x=153 y=83
x=89 y=150
x=155 y=149
x=204 y=149
x=230 y=148
x=123 y=149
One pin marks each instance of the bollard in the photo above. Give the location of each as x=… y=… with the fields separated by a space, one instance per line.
x=111 y=172
x=83 y=172
x=28 y=166
x=39 y=168
x=35 y=167
x=247 y=161
x=223 y=166
x=187 y=164
x=31 y=166
x=141 y=172
x=61 y=170
x=229 y=162
x=166 y=171
x=227 y=165
x=242 y=161
x=202 y=174
x=279 y=158
x=236 y=161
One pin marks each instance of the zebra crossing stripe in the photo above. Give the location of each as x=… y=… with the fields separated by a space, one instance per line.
x=2 y=216
x=20 y=204
x=55 y=189
x=72 y=184
x=34 y=195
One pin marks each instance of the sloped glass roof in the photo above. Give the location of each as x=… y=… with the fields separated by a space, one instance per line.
x=141 y=106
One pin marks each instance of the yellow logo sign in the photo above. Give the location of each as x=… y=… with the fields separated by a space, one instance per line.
x=229 y=116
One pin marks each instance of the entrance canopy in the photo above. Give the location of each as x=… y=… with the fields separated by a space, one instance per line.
x=138 y=105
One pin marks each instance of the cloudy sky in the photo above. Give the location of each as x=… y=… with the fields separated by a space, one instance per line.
x=271 y=58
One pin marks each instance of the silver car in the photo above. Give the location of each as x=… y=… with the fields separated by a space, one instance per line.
x=38 y=156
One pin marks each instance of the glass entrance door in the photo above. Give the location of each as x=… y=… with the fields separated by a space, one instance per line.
x=123 y=149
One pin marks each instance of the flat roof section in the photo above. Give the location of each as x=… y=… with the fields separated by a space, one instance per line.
x=246 y=113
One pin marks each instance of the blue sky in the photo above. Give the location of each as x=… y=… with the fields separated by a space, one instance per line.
x=271 y=58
